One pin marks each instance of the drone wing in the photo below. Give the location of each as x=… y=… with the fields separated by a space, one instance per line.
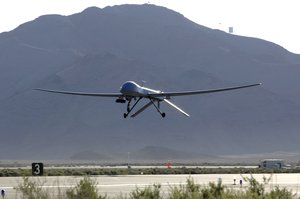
x=197 y=92
x=81 y=93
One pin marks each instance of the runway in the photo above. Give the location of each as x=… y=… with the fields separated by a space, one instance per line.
x=115 y=185
x=139 y=167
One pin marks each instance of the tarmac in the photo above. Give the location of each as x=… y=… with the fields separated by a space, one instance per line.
x=116 y=185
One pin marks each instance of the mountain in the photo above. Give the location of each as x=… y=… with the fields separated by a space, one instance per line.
x=163 y=154
x=148 y=154
x=98 y=49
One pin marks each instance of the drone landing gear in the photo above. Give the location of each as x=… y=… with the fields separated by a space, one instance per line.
x=129 y=109
x=158 y=107
x=152 y=102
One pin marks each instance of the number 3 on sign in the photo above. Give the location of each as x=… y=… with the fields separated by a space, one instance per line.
x=37 y=169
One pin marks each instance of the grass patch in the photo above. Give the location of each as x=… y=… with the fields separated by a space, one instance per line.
x=138 y=171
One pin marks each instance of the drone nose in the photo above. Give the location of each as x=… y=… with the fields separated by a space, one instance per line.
x=128 y=87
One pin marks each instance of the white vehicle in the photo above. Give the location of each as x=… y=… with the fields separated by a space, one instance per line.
x=273 y=164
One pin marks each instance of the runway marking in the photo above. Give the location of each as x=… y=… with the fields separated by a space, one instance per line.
x=105 y=185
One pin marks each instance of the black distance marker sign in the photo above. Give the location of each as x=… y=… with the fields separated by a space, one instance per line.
x=37 y=169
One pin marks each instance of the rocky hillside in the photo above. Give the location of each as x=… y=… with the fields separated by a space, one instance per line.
x=98 y=49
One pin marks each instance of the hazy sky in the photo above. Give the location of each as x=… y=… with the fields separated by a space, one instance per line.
x=272 y=20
